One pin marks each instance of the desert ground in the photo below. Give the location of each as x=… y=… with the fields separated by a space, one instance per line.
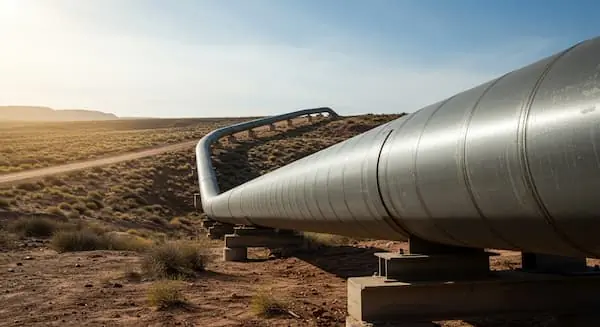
x=120 y=244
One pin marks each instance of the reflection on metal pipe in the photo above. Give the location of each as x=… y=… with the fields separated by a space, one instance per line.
x=510 y=164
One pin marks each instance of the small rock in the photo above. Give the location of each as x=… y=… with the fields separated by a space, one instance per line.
x=117 y=285
x=28 y=258
x=89 y=285
x=11 y=270
x=19 y=263
x=77 y=265
x=234 y=296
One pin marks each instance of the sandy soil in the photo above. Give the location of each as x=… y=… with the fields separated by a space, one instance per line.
x=39 y=287
x=23 y=176
x=42 y=288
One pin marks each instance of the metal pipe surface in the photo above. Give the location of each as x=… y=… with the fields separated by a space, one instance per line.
x=207 y=179
x=509 y=164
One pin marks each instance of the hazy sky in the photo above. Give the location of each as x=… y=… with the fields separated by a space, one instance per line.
x=255 y=57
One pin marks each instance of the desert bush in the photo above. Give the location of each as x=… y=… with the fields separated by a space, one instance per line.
x=54 y=181
x=174 y=260
x=127 y=242
x=28 y=187
x=266 y=305
x=34 y=227
x=165 y=295
x=132 y=274
x=7 y=240
x=87 y=239
x=4 y=203
x=78 y=240
x=65 y=206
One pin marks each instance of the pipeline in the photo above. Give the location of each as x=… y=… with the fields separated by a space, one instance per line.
x=510 y=164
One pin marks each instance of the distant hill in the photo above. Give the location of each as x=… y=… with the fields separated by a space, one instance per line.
x=28 y=113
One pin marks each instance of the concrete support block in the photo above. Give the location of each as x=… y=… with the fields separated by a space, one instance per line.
x=235 y=254
x=264 y=241
x=420 y=246
x=546 y=263
x=208 y=223
x=219 y=230
x=247 y=230
x=438 y=267
x=373 y=299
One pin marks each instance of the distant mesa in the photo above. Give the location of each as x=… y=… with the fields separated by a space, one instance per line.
x=28 y=113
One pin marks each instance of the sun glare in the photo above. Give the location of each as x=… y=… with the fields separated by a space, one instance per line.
x=11 y=10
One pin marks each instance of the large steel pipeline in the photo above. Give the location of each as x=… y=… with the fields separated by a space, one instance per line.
x=509 y=164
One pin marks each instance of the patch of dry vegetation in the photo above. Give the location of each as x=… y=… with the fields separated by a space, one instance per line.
x=265 y=304
x=174 y=260
x=143 y=196
x=153 y=197
x=90 y=240
x=165 y=295
x=7 y=240
x=26 y=146
x=34 y=227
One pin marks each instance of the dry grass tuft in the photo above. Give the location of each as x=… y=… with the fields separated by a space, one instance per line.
x=4 y=203
x=7 y=240
x=34 y=227
x=165 y=295
x=266 y=305
x=174 y=260
x=79 y=240
x=132 y=275
x=90 y=240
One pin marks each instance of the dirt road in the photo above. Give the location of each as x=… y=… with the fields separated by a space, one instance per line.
x=43 y=172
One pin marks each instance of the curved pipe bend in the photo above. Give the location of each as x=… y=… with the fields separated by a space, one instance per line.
x=207 y=179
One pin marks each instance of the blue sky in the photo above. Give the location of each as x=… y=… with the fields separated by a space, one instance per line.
x=200 y=58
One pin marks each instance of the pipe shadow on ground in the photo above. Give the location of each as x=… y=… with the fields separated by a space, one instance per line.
x=350 y=261
x=211 y=274
x=343 y=261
